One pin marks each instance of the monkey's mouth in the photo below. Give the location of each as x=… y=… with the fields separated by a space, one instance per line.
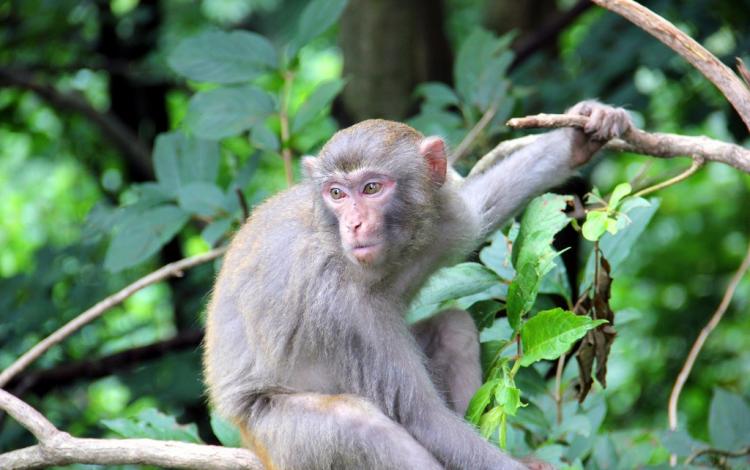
x=366 y=252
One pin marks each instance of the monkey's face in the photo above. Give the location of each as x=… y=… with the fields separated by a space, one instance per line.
x=360 y=200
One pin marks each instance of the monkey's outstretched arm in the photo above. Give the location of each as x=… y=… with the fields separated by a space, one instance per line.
x=501 y=191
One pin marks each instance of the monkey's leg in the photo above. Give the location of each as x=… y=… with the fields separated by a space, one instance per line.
x=310 y=431
x=450 y=341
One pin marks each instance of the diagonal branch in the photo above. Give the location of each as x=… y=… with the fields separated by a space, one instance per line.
x=166 y=271
x=712 y=68
x=702 y=337
x=110 y=126
x=40 y=381
x=655 y=144
x=60 y=448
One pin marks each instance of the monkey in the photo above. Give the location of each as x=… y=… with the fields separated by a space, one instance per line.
x=306 y=347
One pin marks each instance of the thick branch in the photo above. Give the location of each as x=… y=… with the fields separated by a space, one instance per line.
x=712 y=68
x=39 y=381
x=60 y=448
x=548 y=33
x=171 y=269
x=110 y=126
x=654 y=144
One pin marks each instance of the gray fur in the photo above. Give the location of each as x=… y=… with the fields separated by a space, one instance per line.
x=308 y=352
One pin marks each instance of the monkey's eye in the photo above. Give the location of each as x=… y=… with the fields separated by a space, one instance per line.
x=372 y=188
x=336 y=193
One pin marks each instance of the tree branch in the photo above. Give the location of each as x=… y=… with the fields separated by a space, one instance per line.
x=111 y=127
x=655 y=144
x=39 y=381
x=548 y=33
x=60 y=448
x=701 y=340
x=171 y=269
x=712 y=68
x=695 y=166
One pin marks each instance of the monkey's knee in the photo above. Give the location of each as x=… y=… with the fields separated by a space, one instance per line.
x=450 y=340
x=451 y=329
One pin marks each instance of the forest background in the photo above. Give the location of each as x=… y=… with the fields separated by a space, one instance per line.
x=137 y=133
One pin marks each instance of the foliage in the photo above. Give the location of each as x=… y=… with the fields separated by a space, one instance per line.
x=78 y=221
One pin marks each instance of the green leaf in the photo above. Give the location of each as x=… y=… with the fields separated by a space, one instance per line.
x=264 y=138
x=595 y=225
x=551 y=333
x=480 y=400
x=532 y=252
x=450 y=283
x=484 y=312
x=215 y=230
x=201 y=198
x=321 y=97
x=317 y=17
x=179 y=160
x=729 y=421
x=620 y=191
x=153 y=424
x=228 y=434
x=226 y=111
x=490 y=421
x=496 y=256
x=166 y=164
x=508 y=397
x=437 y=95
x=616 y=248
x=481 y=63
x=144 y=236
x=681 y=443
x=223 y=57
x=556 y=281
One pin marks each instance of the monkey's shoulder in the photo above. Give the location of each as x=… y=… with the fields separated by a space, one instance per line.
x=276 y=233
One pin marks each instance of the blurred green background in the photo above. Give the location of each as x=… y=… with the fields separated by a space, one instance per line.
x=88 y=90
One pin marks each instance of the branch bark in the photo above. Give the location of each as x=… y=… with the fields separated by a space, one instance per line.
x=736 y=92
x=117 y=132
x=682 y=377
x=171 y=269
x=60 y=448
x=655 y=144
x=40 y=381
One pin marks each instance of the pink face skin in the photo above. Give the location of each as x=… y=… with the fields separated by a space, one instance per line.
x=359 y=202
x=360 y=199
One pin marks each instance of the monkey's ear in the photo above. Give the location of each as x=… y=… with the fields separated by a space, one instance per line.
x=310 y=164
x=432 y=150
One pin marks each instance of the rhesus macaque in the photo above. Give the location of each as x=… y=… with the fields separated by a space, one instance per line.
x=307 y=350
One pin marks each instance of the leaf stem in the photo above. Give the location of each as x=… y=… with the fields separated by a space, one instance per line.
x=695 y=166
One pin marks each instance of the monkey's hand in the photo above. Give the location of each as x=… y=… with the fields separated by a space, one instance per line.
x=605 y=123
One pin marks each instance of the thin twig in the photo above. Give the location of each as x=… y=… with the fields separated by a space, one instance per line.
x=723 y=453
x=471 y=137
x=558 y=388
x=636 y=181
x=243 y=203
x=655 y=144
x=712 y=68
x=58 y=448
x=286 y=151
x=701 y=339
x=695 y=166
x=171 y=269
